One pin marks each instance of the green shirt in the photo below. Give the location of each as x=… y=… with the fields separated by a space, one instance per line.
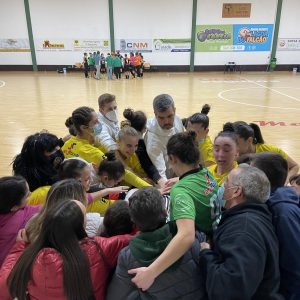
x=91 y=61
x=109 y=61
x=117 y=62
x=194 y=196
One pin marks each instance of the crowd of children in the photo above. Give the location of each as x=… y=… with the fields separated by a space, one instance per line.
x=149 y=209
x=96 y=64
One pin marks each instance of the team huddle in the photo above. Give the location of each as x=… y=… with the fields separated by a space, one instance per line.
x=149 y=208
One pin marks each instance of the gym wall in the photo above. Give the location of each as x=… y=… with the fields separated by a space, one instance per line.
x=61 y=22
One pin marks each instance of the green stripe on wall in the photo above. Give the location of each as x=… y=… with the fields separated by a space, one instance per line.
x=193 y=36
x=30 y=35
x=111 y=25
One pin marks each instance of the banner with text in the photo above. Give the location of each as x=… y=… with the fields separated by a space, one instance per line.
x=234 y=38
x=14 y=45
x=134 y=45
x=288 y=45
x=91 y=45
x=172 y=45
x=70 y=45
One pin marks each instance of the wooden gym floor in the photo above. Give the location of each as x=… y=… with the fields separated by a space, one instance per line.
x=31 y=102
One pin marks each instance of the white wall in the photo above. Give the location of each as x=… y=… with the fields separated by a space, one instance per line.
x=13 y=26
x=62 y=22
x=209 y=12
x=155 y=19
x=289 y=28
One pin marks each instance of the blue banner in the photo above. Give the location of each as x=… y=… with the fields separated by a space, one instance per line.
x=252 y=37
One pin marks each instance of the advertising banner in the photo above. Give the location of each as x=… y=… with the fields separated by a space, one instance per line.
x=76 y=45
x=53 y=45
x=253 y=37
x=91 y=45
x=213 y=38
x=172 y=45
x=134 y=45
x=288 y=45
x=14 y=45
x=234 y=38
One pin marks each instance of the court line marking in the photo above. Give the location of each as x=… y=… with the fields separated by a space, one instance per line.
x=3 y=83
x=271 y=89
x=220 y=95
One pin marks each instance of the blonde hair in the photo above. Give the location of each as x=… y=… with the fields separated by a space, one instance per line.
x=127 y=131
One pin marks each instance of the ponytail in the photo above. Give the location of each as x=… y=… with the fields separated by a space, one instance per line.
x=258 y=139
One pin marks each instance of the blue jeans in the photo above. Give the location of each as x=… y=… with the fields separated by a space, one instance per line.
x=109 y=73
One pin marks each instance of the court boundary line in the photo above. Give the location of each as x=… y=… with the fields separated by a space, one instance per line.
x=271 y=89
x=3 y=83
x=249 y=104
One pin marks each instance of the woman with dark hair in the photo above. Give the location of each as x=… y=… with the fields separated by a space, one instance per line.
x=39 y=160
x=199 y=122
x=14 y=211
x=87 y=126
x=117 y=220
x=251 y=141
x=225 y=153
x=138 y=121
x=62 y=263
x=194 y=205
x=97 y=200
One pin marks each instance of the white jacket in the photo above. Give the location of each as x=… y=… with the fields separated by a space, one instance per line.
x=156 y=140
x=93 y=222
x=109 y=133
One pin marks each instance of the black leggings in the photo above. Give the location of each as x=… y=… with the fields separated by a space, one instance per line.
x=117 y=71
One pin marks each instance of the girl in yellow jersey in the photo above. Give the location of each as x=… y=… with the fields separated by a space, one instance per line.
x=225 y=153
x=138 y=120
x=199 y=123
x=111 y=172
x=86 y=124
x=128 y=139
x=80 y=170
x=251 y=141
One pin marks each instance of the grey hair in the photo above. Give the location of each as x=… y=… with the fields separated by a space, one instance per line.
x=254 y=183
x=162 y=102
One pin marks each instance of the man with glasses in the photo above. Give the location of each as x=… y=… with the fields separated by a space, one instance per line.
x=243 y=262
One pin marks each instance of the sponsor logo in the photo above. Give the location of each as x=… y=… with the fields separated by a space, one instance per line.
x=256 y=35
x=213 y=34
x=47 y=44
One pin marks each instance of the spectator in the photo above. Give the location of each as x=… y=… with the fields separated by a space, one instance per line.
x=62 y=263
x=284 y=205
x=182 y=280
x=243 y=262
x=14 y=213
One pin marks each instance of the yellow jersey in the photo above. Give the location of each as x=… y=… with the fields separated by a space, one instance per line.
x=134 y=164
x=38 y=197
x=75 y=147
x=270 y=148
x=220 y=177
x=206 y=151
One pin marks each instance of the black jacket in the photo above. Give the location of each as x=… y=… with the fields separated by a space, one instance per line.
x=244 y=261
x=146 y=162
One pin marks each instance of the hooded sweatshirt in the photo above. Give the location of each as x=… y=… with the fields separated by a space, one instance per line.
x=285 y=207
x=180 y=281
